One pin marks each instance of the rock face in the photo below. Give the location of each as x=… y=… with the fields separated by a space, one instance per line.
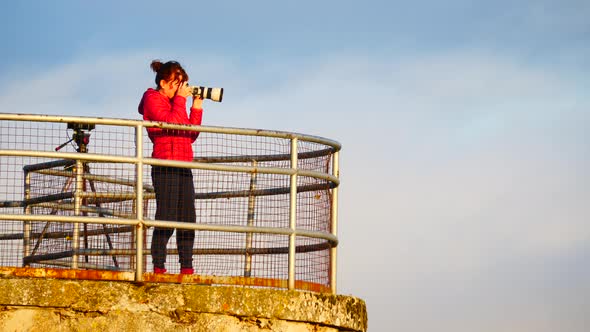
x=36 y=304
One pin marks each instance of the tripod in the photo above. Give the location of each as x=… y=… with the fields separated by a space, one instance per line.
x=81 y=138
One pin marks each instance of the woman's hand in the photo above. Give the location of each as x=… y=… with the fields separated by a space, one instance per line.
x=197 y=102
x=184 y=90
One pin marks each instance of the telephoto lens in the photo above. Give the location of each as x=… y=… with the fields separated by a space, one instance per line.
x=215 y=94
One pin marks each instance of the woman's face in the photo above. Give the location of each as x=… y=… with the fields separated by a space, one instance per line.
x=169 y=88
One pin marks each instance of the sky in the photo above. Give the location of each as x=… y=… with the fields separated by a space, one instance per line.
x=465 y=185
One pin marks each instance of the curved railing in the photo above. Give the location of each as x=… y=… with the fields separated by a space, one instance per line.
x=266 y=203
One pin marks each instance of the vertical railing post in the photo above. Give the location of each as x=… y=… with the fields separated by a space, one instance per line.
x=27 y=224
x=334 y=222
x=77 y=206
x=293 y=213
x=139 y=202
x=249 y=235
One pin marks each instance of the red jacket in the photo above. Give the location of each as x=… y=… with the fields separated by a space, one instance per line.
x=170 y=144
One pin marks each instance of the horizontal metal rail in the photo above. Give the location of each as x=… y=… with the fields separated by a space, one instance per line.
x=93 y=177
x=196 y=251
x=170 y=163
x=58 y=235
x=262 y=158
x=47 y=165
x=174 y=224
x=94 y=198
x=149 y=124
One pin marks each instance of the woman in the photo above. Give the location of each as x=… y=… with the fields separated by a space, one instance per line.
x=173 y=186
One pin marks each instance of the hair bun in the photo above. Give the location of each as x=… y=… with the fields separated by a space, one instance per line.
x=156 y=65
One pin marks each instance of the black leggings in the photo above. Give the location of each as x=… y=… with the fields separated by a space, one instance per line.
x=175 y=201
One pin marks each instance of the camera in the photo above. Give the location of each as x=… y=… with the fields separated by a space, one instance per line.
x=215 y=94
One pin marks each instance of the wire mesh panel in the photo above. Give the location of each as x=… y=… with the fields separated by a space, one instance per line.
x=107 y=191
x=80 y=210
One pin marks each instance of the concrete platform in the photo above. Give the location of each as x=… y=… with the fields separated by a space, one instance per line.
x=41 y=304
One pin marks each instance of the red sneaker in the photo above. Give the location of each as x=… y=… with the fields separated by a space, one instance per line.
x=158 y=270
x=187 y=271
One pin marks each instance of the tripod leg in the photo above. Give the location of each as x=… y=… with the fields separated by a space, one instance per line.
x=38 y=242
x=104 y=226
x=53 y=212
x=85 y=238
x=85 y=203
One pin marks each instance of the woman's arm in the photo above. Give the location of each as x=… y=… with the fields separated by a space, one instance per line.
x=196 y=115
x=159 y=108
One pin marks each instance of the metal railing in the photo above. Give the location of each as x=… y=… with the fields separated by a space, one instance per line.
x=266 y=200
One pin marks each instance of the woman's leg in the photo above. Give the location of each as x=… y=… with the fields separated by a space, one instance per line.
x=166 y=183
x=186 y=238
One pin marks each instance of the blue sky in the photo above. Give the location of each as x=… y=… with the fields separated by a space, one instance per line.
x=464 y=124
